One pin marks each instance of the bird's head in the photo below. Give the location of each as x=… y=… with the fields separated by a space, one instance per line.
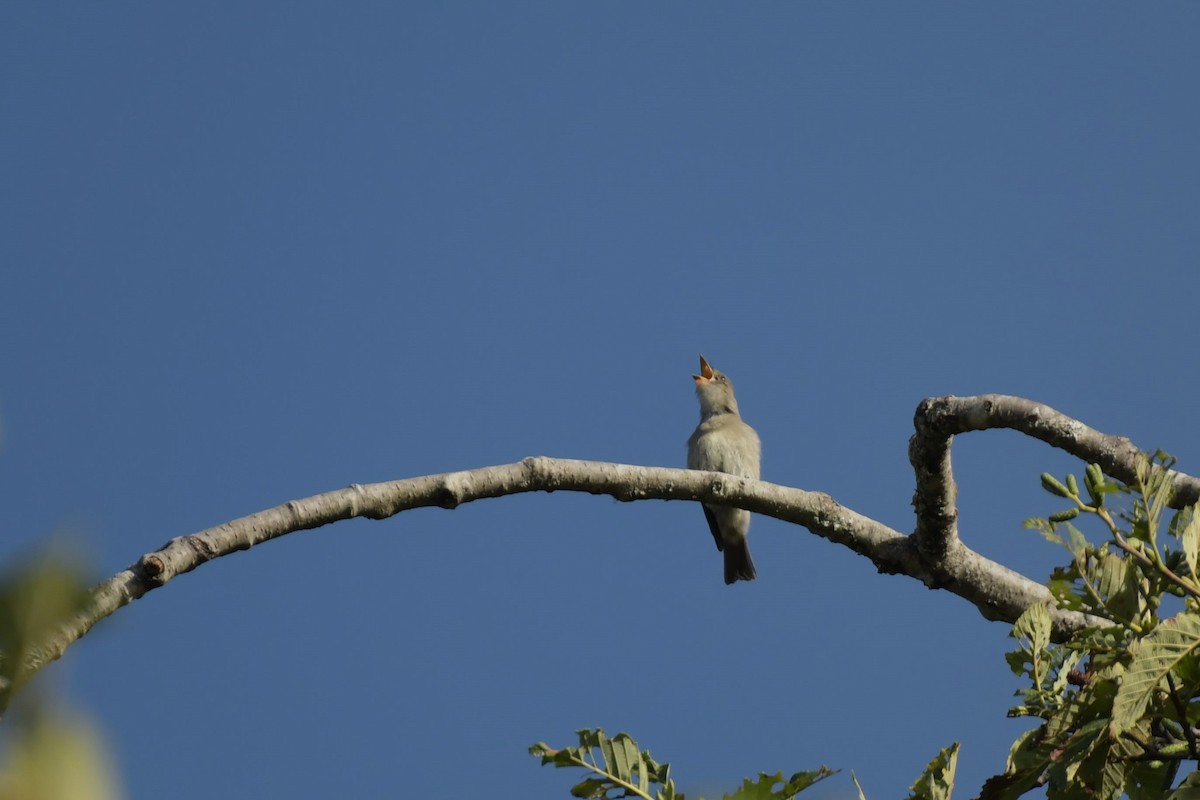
x=715 y=391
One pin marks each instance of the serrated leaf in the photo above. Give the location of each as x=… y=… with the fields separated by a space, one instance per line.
x=1159 y=488
x=760 y=789
x=1066 y=591
x=1144 y=780
x=1027 y=760
x=590 y=787
x=1077 y=543
x=613 y=762
x=643 y=774
x=1064 y=671
x=1074 y=770
x=1028 y=752
x=1154 y=656
x=764 y=788
x=620 y=755
x=802 y=780
x=607 y=753
x=1044 y=528
x=1033 y=626
x=1068 y=717
x=1190 y=541
x=1117 y=584
x=937 y=782
x=1019 y=662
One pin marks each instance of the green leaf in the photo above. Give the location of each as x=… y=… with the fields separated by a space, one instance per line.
x=764 y=787
x=1144 y=780
x=1043 y=527
x=1118 y=586
x=1159 y=487
x=620 y=766
x=1019 y=662
x=1027 y=760
x=620 y=769
x=1077 y=543
x=1075 y=772
x=861 y=794
x=1033 y=626
x=1190 y=541
x=1069 y=662
x=1154 y=656
x=590 y=787
x=1067 y=591
x=937 y=781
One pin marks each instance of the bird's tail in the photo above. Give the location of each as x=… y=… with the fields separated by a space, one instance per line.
x=738 y=564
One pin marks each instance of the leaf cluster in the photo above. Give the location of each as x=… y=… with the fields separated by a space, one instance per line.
x=619 y=768
x=1119 y=701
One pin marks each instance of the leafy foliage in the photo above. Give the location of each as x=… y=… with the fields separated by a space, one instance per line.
x=1154 y=659
x=776 y=787
x=937 y=781
x=1119 y=701
x=621 y=769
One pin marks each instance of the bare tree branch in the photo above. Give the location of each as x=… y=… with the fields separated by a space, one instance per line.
x=940 y=418
x=934 y=555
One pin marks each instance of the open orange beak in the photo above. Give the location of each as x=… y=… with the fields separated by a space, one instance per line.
x=706 y=372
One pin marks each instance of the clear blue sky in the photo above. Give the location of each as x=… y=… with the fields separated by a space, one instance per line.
x=252 y=252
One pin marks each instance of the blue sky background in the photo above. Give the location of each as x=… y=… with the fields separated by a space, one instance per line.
x=252 y=252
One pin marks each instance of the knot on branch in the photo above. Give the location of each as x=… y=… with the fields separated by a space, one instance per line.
x=717 y=487
x=448 y=493
x=928 y=412
x=537 y=468
x=152 y=568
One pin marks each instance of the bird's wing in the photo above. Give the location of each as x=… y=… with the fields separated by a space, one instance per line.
x=713 y=526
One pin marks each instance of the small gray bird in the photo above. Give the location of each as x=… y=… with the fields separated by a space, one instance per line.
x=723 y=443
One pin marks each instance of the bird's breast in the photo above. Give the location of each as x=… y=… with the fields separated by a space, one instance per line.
x=734 y=450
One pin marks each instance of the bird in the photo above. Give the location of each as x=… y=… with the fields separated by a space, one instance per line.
x=722 y=442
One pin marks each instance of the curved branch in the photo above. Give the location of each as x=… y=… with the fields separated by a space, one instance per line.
x=939 y=419
x=934 y=555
